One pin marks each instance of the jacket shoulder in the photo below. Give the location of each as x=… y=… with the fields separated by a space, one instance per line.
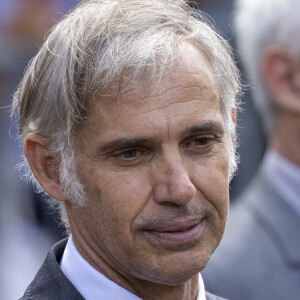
x=50 y=282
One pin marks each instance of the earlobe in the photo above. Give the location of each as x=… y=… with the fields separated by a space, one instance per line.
x=281 y=74
x=43 y=166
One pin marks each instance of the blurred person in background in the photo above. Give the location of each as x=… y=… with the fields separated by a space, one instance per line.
x=128 y=121
x=259 y=257
x=24 y=242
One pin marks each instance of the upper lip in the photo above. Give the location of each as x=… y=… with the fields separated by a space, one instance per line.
x=175 y=226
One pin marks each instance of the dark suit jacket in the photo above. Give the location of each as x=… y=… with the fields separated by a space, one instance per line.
x=50 y=283
x=259 y=256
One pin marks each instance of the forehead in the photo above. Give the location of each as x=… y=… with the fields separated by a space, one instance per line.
x=191 y=71
x=188 y=88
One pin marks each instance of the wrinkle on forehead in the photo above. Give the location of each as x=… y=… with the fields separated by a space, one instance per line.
x=199 y=91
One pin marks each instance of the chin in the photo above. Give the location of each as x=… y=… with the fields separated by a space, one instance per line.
x=177 y=277
x=176 y=270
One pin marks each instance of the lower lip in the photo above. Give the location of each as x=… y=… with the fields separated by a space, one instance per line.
x=177 y=238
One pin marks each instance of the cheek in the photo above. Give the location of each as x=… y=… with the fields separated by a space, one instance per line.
x=211 y=179
x=120 y=198
x=214 y=188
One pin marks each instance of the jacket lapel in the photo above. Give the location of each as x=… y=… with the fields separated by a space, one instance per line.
x=276 y=217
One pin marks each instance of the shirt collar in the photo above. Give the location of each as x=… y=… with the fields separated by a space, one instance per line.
x=285 y=178
x=92 y=284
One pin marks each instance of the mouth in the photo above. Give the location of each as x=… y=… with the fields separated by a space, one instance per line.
x=184 y=233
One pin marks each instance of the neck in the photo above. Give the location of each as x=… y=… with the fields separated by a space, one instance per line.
x=285 y=138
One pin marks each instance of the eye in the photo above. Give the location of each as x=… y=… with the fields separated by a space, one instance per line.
x=129 y=154
x=200 y=144
x=203 y=141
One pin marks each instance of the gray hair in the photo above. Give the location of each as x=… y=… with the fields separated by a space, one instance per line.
x=102 y=42
x=260 y=24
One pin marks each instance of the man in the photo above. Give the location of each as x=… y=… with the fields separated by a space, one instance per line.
x=259 y=257
x=128 y=119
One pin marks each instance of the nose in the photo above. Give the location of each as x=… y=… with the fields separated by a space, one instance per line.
x=173 y=184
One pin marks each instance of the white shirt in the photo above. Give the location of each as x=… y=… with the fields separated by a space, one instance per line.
x=285 y=178
x=92 y=284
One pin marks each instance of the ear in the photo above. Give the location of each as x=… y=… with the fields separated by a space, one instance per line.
x=42 y=164
x=281 y=73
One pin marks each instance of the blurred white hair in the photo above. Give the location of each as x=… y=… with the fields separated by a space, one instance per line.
x=258 y=25
x=103 y=42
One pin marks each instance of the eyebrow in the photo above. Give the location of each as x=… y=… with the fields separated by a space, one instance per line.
x=215 y=127
x=123 y=143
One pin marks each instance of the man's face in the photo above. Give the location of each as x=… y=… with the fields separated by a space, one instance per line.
x=155 y=170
